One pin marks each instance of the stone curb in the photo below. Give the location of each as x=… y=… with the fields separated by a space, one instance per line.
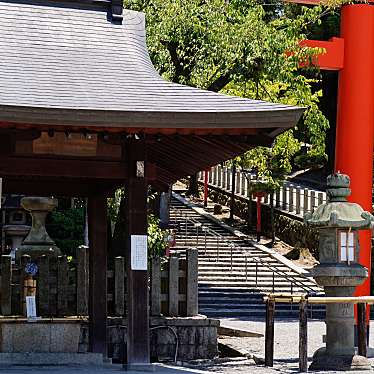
x=299 y=270
x=237 y=332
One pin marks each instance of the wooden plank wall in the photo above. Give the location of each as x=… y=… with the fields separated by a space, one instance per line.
x=62 y=287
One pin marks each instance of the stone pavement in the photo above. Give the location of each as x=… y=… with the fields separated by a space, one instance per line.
x=286 y=345
x=285 y=353
x=110 y=369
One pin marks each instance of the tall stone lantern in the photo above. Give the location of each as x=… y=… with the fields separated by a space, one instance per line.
x=339 y=272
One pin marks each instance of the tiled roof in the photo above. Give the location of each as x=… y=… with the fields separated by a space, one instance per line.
x=68 y=65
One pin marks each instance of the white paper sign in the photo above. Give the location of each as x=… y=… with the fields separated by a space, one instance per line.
x=139 y=258
x=30 y=307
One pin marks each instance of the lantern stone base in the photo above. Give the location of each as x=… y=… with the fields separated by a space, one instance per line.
x=324 y=361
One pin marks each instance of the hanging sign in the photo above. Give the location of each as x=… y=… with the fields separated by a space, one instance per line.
x=139 y=258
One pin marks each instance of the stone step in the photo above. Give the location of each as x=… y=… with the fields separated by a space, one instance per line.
x=240 y=272
x=224 y=287
x=222 y=294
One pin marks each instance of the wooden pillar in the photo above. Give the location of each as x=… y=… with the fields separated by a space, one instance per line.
x=97 y=300
x=269 y=332
x=303 y=336
x=138 y=346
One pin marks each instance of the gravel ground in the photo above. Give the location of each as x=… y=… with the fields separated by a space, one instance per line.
x=285 y=348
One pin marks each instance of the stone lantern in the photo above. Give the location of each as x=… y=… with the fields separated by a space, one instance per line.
x=339 y=272
x=38 y=242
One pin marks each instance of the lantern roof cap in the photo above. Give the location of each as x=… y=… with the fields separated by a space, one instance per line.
x=338 y=212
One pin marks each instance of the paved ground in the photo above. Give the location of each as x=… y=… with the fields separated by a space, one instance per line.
x=285 y=353
x=285 y=348
x=91 y=370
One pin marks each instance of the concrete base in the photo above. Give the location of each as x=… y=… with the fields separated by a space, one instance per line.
x=42 y=336
x=322 y=361
x=52 y=359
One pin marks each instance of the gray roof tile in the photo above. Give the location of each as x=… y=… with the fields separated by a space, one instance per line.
x=71 y=66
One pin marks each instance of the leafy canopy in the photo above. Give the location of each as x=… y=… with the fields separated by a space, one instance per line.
x=242 y=48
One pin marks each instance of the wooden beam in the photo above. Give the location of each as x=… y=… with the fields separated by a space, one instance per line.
x=65 y=168
x=332 y=57
x=138 y=345
x=65 y=188
x=97 y=299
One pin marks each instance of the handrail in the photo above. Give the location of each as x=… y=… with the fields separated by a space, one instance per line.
x=291 y=278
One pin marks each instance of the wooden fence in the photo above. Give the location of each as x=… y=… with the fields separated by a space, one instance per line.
x=290 y=198
x=303 y=301
x=61 y=287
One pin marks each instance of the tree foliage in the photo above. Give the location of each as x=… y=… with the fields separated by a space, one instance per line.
x=66 y=227
x=243 y=48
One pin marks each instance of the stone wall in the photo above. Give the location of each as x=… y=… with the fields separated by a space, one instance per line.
x=288 y=228
x=197 y=338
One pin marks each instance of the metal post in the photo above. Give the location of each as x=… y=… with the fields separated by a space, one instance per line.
x=233 y=189
x=256 y=272
x=185 y=237
x=197 y=225
x=246 y=268
x=206 y=172
x=217 y=248
x=258 y=226
x=231 y=247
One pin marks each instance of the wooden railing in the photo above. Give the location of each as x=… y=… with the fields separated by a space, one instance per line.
x=61 y=287
x=303 y=301
x=291 y=198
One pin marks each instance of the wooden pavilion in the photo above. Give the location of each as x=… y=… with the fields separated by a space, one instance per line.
x=83 y=112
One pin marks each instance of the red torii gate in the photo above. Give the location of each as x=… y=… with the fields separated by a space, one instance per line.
x=352 y=54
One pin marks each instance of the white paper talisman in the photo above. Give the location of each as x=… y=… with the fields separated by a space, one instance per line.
x=139 y=258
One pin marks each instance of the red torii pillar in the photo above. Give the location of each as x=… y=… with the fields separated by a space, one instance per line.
x=353 y=56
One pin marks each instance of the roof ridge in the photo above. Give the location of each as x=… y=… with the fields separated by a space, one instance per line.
x=114 y=8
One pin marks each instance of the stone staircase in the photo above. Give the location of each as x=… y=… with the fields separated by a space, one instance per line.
x=234 y=273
